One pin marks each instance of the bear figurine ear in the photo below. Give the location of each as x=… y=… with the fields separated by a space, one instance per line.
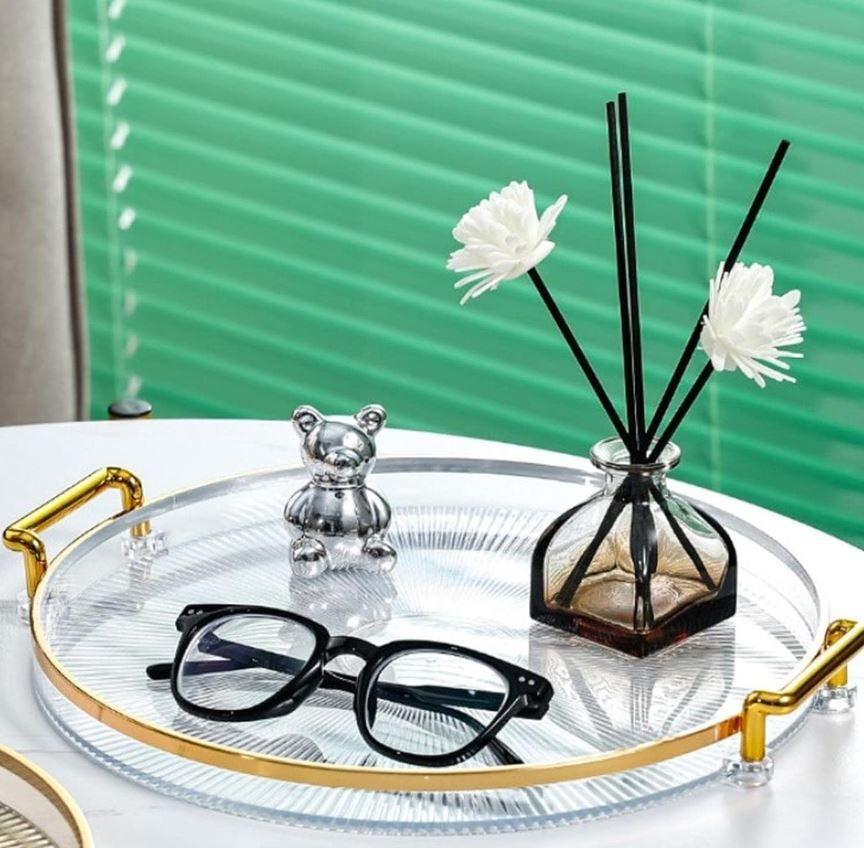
x=305 y=418
x=371 y=418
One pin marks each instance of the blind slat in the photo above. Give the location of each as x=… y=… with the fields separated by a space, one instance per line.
x=292 y=171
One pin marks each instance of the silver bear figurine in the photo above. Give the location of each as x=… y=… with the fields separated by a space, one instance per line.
x=336 y=521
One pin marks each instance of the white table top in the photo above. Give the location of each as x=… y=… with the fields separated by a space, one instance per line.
x=816 y=797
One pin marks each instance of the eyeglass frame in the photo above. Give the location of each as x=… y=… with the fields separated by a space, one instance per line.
x=527 y=695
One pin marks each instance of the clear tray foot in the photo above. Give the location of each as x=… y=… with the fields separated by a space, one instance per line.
x=831 y=700
x=749 y=775
x=136 y=549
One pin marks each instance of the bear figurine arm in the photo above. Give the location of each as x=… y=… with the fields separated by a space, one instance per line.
x=298 y=506
x=379 y=510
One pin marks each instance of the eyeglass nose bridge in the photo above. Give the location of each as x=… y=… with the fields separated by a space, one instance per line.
x=340 y=646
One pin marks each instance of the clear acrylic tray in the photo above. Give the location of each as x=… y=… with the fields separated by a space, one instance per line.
x=464 y=530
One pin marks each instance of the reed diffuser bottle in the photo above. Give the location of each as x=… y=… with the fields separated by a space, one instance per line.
x=633 y=567
x=636 y=567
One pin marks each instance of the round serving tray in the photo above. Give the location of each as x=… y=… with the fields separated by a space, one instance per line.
x=635 y=730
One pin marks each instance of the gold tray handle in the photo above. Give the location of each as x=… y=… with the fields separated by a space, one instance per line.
x=21 y=535
x=843 y=640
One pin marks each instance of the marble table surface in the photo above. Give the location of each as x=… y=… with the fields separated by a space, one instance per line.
x=816 y=797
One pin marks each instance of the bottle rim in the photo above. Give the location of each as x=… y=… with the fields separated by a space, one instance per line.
x=611 y=455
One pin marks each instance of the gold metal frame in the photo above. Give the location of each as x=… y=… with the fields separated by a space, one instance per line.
x=49 y=788
x=21 y=536
x=842 y=641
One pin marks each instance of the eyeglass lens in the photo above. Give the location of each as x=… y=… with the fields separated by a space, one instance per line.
x=452 y=700
x=238 y=662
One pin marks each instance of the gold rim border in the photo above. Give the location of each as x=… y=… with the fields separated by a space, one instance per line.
x=51 y=789
x=364 y=777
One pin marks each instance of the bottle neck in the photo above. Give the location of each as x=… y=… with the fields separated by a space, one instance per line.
x=612 y=457
x=638 y=479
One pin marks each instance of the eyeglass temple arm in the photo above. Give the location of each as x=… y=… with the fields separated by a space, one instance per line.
x=423 y=697
x=478 y=699
x=238 y=656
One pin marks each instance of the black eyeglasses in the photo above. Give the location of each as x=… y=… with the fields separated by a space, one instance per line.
x=419 y=702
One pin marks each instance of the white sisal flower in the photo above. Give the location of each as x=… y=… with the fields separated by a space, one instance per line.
x=747 y=324
x=503 y=238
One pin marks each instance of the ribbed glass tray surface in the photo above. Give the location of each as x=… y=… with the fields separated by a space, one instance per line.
x=464 y=530
x=16 y=831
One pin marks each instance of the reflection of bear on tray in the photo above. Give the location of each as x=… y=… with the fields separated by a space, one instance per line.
x=336 y=521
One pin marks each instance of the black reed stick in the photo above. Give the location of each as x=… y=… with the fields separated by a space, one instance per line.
x=643 y=553
x=580 y=356
x=622 y=497
x=682 y=537
x=678 y=417
x=623 y=295
x=731 y=259
x=632 y=278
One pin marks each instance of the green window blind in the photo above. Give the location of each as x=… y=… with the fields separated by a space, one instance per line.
x=268 y=190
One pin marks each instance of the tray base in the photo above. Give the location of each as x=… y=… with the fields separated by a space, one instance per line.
x=465 y=531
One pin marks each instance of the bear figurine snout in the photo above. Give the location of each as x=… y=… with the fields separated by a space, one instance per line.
x=343 y=464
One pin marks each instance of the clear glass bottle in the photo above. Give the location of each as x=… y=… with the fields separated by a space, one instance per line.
x=634 y=567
